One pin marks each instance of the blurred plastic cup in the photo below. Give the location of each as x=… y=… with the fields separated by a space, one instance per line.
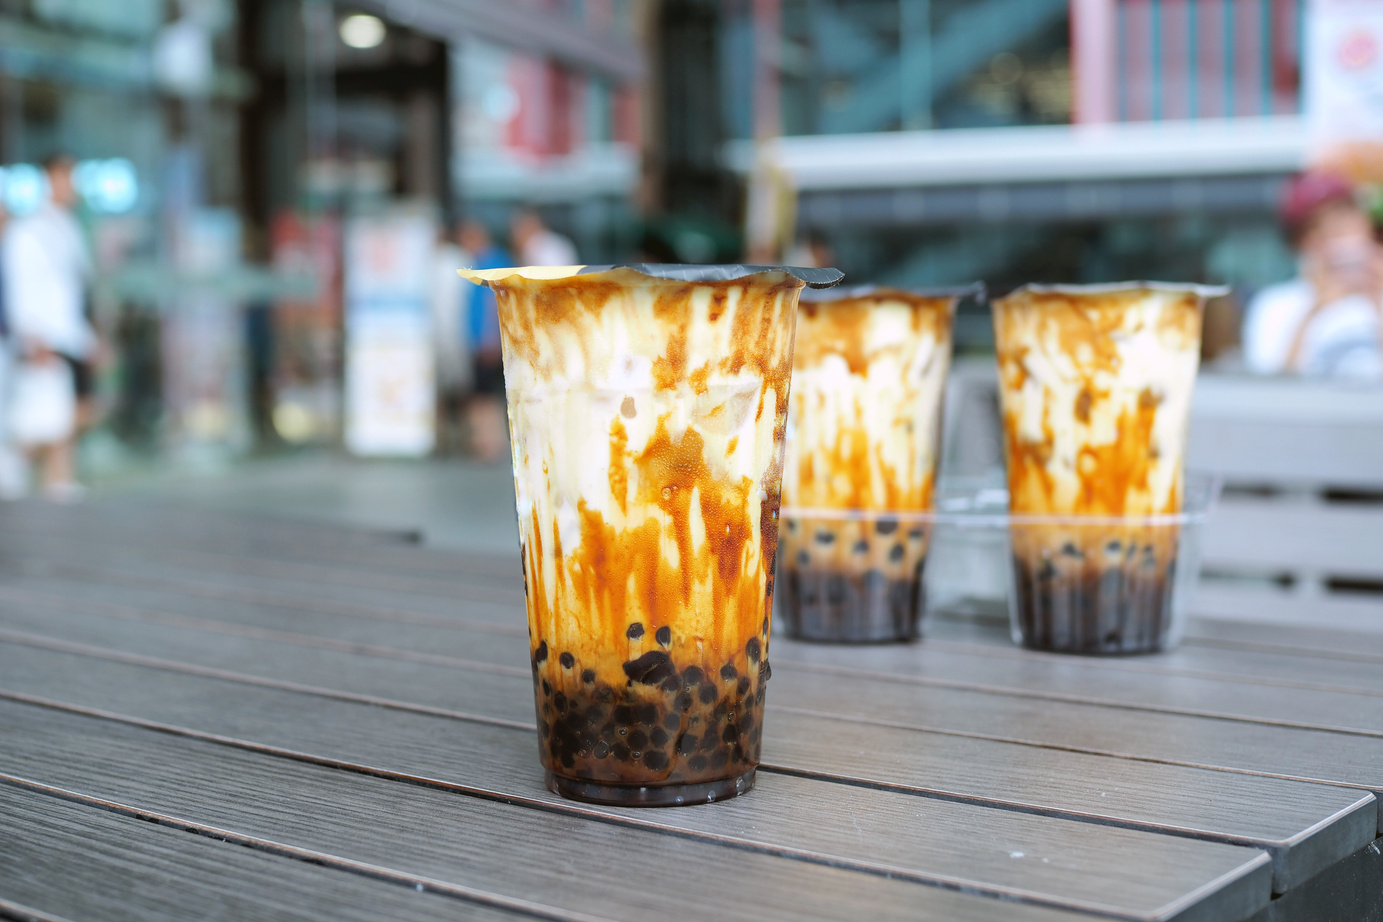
x=1095 y=385
x=647 y=407
x=868 y=381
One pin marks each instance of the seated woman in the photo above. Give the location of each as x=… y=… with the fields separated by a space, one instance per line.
x=1327 y=322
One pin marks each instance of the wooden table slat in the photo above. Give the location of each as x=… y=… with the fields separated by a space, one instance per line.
x=128 y=863
x=554 y=857
x=1286 y=818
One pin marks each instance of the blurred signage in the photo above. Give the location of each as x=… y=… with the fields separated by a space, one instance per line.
x=390 y=393
x=1343 y=89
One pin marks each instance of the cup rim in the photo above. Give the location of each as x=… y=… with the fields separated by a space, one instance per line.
x=1203 y=291
x=976 y=290
x=678 y=272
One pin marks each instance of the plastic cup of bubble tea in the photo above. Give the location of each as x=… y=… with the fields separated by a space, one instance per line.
x=868 y=381
x=647 y=409
x=1095 y=388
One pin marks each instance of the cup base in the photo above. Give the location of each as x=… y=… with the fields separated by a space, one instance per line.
x=667 y=795
x=827 y=607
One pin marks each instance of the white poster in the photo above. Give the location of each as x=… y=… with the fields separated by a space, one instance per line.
x=390 y=391
x=1343 y=86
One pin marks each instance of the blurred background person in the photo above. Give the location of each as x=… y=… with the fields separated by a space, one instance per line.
x=485 y=409
x=536 y=245
x=46 y=268
x=1326 y=321
x=12 y=473
x=451 y=338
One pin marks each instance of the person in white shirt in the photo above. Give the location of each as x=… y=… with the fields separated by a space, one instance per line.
x=1327 y=322
x=46 y=269
x=535 y=245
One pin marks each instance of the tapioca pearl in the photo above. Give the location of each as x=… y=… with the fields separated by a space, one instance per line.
x=658 y=737
x=746 y=725
x=792 y=526
x=759 y=695
x=730 y=733
x=861 y=547
x=604 y=694
x=896 y=552
x=710 y=739
x=686 y=744
x=559 y=701
x=635 y=631
x=655 y=760
x=601 y=750
x=684 y=703
x=567 y=660
x=693 y=676
x=1113 y=549
x=568 y=760
x=652 y=668
x=707 y=694
x=1047 y=571
x=825 y=537
x=719 y=759
x=1069 y=549
x=638 y=739
x=664 y=636
x=547 y=687
x=803 y=558
x=917 y=534
x=588 y=676
x=698 y=763
x=595 y=716
x=763 y=631
x=743 y=685
x=765 y=672
x=620 y=752
x=728 y=672
x=886 y=526
x=646 y=714
x=752 y=649
x=543 y=728
x=671 y=721
x=540 y=654
x=623 y=714
x=672 y=684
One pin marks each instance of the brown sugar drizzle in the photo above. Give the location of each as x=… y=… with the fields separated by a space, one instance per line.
x=1083 y=333
x=683 y=551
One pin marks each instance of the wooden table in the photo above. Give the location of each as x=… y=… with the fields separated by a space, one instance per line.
x=221 y=717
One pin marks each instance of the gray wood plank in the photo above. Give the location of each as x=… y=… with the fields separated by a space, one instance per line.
x=256 y=537
x=82 y=861
x=556 y=856
x=1360 y=646
x=1281 y=666
x=1304 y=827
x=1336 y=762
x=1118 y=682
x=1253 y=535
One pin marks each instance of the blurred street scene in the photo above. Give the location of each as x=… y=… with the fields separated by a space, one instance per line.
x=231 y=228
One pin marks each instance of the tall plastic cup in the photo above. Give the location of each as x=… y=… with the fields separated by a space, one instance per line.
x=1095 y=385
x=868 y=382
x=647 y=407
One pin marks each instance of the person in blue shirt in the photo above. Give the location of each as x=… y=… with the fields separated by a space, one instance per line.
x=485 y=411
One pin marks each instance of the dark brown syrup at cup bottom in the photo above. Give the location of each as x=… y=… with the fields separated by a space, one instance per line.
x=866 y=607
x=668 y=735
x=1120 y=608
